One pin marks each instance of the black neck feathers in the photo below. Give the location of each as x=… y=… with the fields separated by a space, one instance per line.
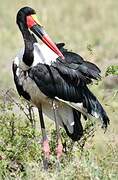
x=29 y=40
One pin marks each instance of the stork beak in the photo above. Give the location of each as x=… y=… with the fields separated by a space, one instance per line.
x=36 y=28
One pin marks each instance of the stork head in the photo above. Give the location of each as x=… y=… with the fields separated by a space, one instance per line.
x=27 y=17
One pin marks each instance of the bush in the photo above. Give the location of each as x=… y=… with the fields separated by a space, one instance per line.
x=21 y=153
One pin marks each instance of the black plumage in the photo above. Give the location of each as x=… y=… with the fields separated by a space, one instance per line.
x=65 y=79
x=19 y=87
x=77 y=127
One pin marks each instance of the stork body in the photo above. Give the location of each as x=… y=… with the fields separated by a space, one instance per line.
x=55 y=80
x=28 y=88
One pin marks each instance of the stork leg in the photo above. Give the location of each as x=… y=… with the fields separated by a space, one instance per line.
x=45 y=143
x=59 y=148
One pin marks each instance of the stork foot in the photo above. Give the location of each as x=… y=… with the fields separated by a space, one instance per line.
x=46 y=150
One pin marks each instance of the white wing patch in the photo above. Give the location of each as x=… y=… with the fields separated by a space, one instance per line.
x=64 y=114
x=78 y=106
x=43 y=54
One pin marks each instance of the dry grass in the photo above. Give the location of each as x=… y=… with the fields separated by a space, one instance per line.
x=87 y=27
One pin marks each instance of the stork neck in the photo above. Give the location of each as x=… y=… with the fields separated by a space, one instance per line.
x=28 y=55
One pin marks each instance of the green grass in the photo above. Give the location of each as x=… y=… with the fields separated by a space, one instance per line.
x=21 y=152
x=91 y=29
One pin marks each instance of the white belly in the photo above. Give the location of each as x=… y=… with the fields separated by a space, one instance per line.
x=37 y=97
x=63 y=113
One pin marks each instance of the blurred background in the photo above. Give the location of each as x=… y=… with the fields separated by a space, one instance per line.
x=89 y=28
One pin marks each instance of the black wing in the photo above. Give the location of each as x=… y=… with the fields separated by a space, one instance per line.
x=19 y=88
x=76 y=67
x=64 y=78
x=52 y=84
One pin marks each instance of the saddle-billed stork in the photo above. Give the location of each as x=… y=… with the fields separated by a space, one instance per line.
x=55 y=80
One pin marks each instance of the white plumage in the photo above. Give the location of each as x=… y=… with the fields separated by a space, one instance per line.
x=56 y=86
x=44 y=55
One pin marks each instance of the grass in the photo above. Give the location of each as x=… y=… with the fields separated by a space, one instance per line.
x=89 y=28
x=21 y=154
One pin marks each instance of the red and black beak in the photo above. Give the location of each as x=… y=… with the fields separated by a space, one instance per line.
x=35 y=27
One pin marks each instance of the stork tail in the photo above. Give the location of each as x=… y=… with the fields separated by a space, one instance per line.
x=93 y=106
